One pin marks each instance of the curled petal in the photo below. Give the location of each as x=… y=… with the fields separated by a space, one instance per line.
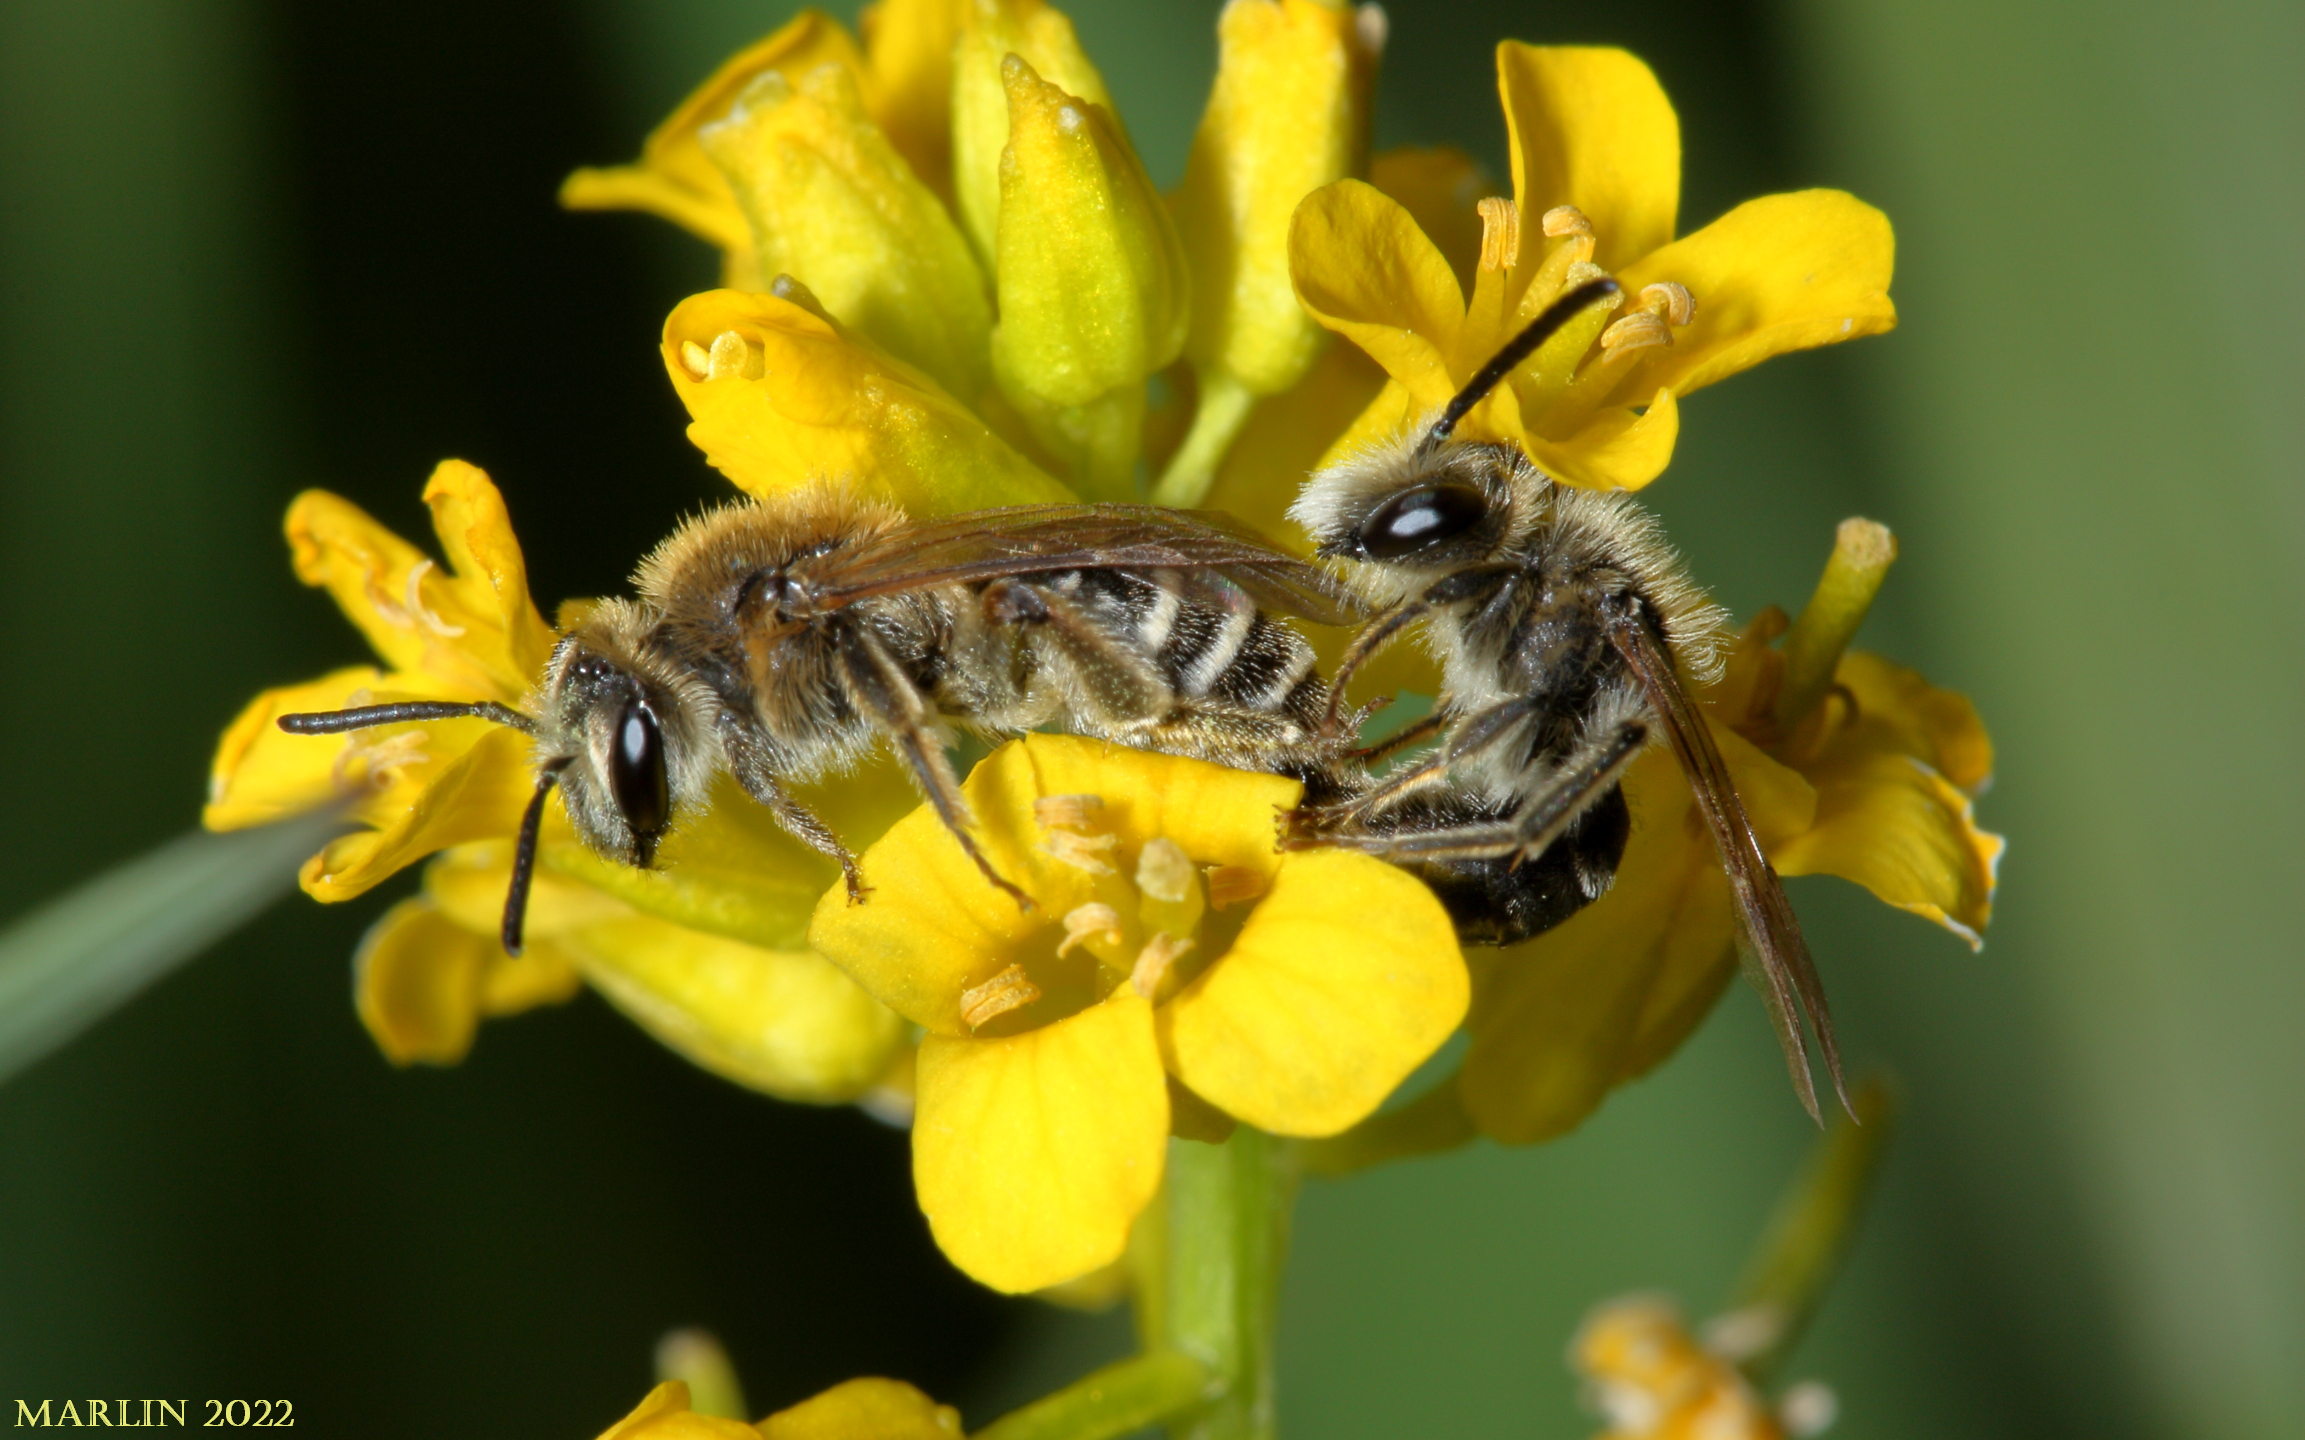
x=1781 y=273
x=262 y=774
x=675 y=178
x=1591 y=127
x=490 y=576
x=803 y=401
x=1364 y=269
x=1903 y=831
x=868 y=1409
x=665 y=1415
x=1938 y=727
x=1442 y=187
x=478 y=795
x=1344 y=980
x=1619 y=449
x=422 y=982
x=1033 y=1154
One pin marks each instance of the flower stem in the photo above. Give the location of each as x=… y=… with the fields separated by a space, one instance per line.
x=1222 y=410
x=1228 y=1235
x=1116 y=1400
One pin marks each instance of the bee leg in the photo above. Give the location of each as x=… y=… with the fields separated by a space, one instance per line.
x=1474 y=735
x=1112 y=681
x=1373 y=637
x=804 y=825
x=896 y=705
x=1402 y=738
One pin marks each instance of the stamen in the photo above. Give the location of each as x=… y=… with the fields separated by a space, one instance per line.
x=732 y=357
x=1082 y=852
x=416 y=606
x=1500 y=233
x=1808 y=1408
x=1164 y=871
x=1231 y=885
x=1636 y=331
x=1068 y=812
x=1153 y=962
x=1083 y=923
x=696 y=359
x=1671 y=299
x=379 y=759
x=1565 y=220
x=1011 y=989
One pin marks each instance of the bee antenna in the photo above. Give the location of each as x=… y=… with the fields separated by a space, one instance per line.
x=524 y=859
x=336 y=722
x=1519 y=348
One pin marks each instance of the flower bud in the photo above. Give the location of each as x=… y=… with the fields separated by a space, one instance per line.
x=831 y=202
x=1091 y=280
x=992 y=31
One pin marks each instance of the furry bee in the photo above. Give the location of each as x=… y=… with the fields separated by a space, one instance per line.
x=782 y=641
x=1564 y=625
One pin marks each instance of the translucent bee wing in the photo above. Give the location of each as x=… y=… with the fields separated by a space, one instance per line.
x=1777 y=958
x=1032 y=539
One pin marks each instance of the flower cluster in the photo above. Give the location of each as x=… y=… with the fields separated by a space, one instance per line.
x=950 y=284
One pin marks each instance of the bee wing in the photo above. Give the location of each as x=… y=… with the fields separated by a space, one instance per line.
x=1032 y=539
x=1777 y=958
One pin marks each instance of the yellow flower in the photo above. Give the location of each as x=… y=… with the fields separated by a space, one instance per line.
x=1848 y=765
x=1652 y=1380
x=867 y=1409
x=842 y=181
x=1596 y=181
x=708 y=953
x=1171 y=962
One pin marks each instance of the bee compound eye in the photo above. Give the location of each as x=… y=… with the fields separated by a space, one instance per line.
x=1417 y=519
x=636 y=772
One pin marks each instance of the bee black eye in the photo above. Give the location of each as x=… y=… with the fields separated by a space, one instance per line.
x=636 y=773
x=1416 y=519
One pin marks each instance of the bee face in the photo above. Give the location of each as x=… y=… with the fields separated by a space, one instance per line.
x=1406 y=514
x=633 y=740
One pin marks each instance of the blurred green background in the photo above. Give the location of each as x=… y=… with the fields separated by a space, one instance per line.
x=247 y=247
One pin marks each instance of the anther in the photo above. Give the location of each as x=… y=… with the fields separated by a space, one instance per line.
x=696 y=359
x=1011 y=989
x=732 y=357
x=1164 y=871
x=1088 y=922
x=1231 y=885
x=1671 y=299
x=1153 y=962
x=1500 y=233
x=1068 y=812
x=1636 y=331
x=378 y=759
x=416 y=607
x=1808 y=1408
x=1565 y=220
x=1082 y=852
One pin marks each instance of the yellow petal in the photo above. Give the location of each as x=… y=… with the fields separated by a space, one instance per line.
x=1895 y=826
x=261 y=773
x=1784 y=272
x=1619 y=450
x=1345 y=978
x=471 y=627
x=1364 y=269
x=783 y=1022
x=1938 y=727
x=1033 y=1154
x=1285 y=438
x=869 y=1409
x=823 y=404
x=416 y=984
x=478 y=795
x=1215 y=815
x=1559 y=1020
x=665 y=1415
x=1441 y=187
x=1591 y=127
x=908 y=48
x=833 y=204
x=674 y=178
x=1288 y=115
x=991 y=31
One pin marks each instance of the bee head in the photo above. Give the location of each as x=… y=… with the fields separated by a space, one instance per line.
x=631 y=737
x=1414 y=511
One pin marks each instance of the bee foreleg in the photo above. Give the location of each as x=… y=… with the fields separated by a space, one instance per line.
x=882 y=689
x=1373 y=637
x=803 y=825
x=1112 y=683
x=1473 y=736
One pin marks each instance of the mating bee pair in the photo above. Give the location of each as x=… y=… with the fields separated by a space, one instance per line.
x=782 y=642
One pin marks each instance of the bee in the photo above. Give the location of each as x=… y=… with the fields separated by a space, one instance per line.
x=1564 y=625
x=782 y=641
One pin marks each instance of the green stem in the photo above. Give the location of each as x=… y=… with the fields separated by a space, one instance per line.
x=1113 y=1401
x=1228 y=1235
x=1222 y=410
x=1810 y=1230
